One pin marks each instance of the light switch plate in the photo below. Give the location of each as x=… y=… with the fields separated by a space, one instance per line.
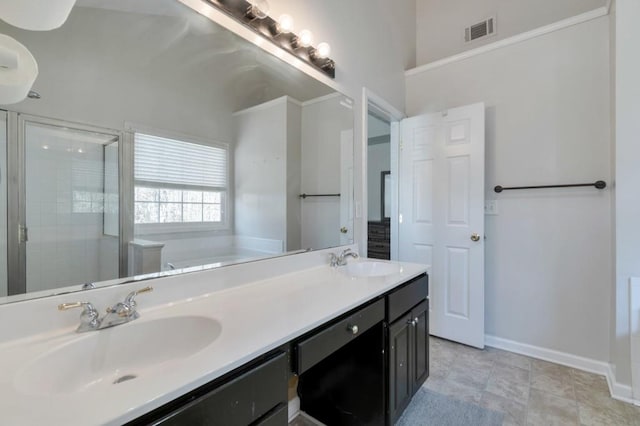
x=491 y=207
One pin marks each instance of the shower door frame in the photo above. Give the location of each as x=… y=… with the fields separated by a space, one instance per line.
x=16 y=194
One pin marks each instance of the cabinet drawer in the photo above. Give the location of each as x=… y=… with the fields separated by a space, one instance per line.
x=375 y=245
x=278 y=417
x=377 y=232
x=314 y=349
x=239 y=402
x=405 y=298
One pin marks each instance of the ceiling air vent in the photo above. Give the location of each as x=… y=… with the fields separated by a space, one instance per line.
x=479 y=30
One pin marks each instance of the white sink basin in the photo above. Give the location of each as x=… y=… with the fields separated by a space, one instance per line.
x=371 y=268
x=116 y=355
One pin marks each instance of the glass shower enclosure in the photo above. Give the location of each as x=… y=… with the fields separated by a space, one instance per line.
x=62 y=202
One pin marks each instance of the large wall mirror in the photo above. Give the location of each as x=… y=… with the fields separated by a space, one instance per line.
x=162 y=142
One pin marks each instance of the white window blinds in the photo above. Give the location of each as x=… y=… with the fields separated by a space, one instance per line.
x=168 y=161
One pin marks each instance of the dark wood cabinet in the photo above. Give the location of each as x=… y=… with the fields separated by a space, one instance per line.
x=256 y=394
x=408 y=344
x=400 y=378
x=420 y=351
x=379 y=240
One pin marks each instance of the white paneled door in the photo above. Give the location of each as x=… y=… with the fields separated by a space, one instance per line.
x=441 y=217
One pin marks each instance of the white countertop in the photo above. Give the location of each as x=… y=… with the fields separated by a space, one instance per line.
x=256 y=317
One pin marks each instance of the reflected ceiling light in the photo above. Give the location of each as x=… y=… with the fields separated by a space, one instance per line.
x=36 y=15
x=45 y=146
x=254 y=15
x=285 y=23
x=18 y=70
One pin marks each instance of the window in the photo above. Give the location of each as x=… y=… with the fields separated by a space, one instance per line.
x=179 y=182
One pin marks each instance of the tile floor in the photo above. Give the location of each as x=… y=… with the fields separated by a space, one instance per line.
x=526 y=390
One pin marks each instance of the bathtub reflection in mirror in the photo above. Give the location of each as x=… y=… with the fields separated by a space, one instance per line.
x=162 y=142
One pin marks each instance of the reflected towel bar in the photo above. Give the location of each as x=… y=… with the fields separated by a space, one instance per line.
x=598 y=184
x=303 y=196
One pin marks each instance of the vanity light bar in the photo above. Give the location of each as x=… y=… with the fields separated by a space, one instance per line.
x=241 y=10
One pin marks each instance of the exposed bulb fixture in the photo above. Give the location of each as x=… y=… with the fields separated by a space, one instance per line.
x=323 y=50
x=36 y=15
x=254 y=14
x=305 y=38
x=285 y=23
x=258 y=9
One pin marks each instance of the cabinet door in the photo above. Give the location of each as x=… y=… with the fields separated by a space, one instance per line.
x=420 y=348
x=400 y=377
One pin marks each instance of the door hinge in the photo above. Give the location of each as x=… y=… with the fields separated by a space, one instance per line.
x=23 y=234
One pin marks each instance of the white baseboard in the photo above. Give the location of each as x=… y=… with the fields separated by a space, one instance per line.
x=294 y=407
x=618 y=391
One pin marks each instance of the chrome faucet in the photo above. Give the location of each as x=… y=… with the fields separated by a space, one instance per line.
x=118 y=314
x=88 y=318
x=341 y=260
x=124 y=311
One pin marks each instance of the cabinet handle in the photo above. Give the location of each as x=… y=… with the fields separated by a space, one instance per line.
x=416 y=320
x=411 y=322
x=353 y=329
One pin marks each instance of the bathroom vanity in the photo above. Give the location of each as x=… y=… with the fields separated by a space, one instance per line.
x=219 y=346
x=360 y=368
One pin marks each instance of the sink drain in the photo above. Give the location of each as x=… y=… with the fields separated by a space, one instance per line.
x=124 y=378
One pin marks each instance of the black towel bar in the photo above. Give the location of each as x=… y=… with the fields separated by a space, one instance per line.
x=598 y=184
x=303 y=196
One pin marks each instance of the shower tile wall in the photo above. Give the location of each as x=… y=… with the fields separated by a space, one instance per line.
x=65 y=205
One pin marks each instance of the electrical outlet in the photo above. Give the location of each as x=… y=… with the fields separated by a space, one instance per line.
x=491 y=207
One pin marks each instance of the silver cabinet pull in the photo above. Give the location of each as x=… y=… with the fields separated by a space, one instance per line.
x=353 y=329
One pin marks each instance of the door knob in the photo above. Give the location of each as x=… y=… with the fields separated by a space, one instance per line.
x=475 y=237
x=344 y=230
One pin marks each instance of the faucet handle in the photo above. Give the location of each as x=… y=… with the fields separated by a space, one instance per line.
x=88 y=318
x=130 y=299
x=134 y=293
x=86 y=305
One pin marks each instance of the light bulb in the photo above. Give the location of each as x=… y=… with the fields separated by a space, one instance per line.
x=259 y=8
x=323 y=50
x=305 y=39
x=285 y=23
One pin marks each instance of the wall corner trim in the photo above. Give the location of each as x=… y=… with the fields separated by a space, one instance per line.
x=559 y=25
x=618 y=391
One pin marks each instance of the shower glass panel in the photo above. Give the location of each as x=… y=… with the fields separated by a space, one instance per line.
x=71 y=206
x=3 y=204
